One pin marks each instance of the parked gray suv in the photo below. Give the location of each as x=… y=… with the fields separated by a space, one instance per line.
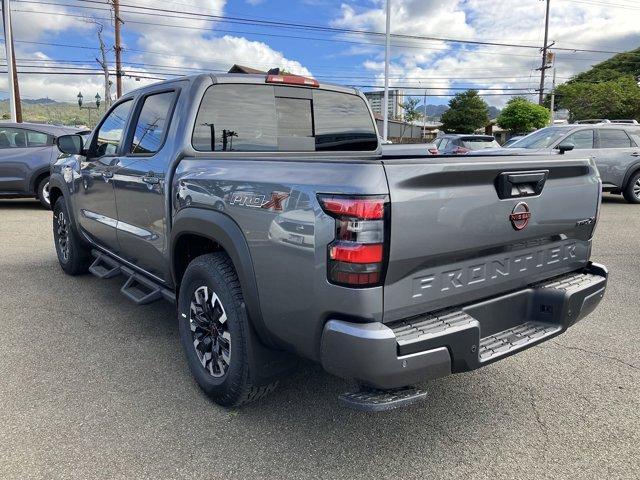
x=263 y=207
x=615 y=147
x=26 y=153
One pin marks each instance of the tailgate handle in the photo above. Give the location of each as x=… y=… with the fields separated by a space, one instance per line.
x=521 y=184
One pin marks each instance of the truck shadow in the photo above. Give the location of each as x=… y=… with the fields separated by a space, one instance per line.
x=21 y=204
x=142 y=362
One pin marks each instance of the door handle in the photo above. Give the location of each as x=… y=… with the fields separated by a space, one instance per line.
x=151 y=179
x=635 y=154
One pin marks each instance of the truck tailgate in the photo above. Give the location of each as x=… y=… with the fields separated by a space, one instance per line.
x=466 y=228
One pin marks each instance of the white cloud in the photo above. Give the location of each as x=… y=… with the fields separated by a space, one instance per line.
x=27 y=23
x=198 y=47
x=255 y=2
x=512 y=21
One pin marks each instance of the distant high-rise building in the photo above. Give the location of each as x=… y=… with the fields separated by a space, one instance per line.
x=396 y=99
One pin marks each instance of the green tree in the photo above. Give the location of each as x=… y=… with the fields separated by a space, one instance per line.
x=411 y=114
x=617 y=98
x=522 y=116
x=467 y=113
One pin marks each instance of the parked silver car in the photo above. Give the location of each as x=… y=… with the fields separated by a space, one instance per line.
x=26 y=151
x=615 y=147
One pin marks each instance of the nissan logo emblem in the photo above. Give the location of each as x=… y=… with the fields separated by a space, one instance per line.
x=520 y=216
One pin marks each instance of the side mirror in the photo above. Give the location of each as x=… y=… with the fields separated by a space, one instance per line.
x=565 y=147
x=70 y=144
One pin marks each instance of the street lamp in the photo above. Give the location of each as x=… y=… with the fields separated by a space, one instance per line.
x=87 y=107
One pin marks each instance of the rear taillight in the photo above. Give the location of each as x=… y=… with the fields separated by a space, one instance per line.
x=357 y=256
x=461 y=150
x=433 y=151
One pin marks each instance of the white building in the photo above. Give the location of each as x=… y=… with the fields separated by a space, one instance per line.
x=396 y=99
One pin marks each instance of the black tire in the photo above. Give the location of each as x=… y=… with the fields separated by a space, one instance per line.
x=232 y=386
x=632 y=190
x=42 y=193
x=73 y=254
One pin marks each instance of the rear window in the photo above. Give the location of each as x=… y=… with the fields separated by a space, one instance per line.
x=244 y=118
x=479 y=143
x=614 y=139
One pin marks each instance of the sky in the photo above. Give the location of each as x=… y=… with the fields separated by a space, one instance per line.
x=60 y=36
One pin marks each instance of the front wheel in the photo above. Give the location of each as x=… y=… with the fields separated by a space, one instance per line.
x=215 y=331
x=74 y=257
x=632 y=190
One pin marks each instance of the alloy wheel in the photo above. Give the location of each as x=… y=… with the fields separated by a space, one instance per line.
x=46 y=194
x=210 y=332
x=636 y=188
x=63 y=235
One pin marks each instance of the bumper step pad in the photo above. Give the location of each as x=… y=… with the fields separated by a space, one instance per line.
x=472 y=332
x=373 y=400
x=502 y=343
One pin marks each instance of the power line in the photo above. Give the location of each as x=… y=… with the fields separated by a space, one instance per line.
x=295 y=25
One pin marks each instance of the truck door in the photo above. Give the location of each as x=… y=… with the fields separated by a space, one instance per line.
x=140 y=184
x=96 y=202
x=14 y=160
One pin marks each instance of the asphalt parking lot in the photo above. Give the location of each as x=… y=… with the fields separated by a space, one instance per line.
x=92 y=386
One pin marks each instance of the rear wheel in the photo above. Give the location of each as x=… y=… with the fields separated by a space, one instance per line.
x=42 y=192
x=74 y=257
x=632 y=190
x=215 y=331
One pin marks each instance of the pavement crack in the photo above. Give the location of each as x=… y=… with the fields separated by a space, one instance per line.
x=544 y=429
x=599 y=355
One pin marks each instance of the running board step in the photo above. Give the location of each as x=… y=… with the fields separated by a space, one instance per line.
x=104 y=267
x=137 y=288
x=140 y=291
x=374 y=400
x=515 y=338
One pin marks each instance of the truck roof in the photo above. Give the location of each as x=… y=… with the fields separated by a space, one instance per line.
x=241 y=78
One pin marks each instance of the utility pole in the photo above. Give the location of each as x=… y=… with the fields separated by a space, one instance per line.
x=117 y=47
x=543 y=66
x=15 y=107
x=553 y=95
x=104 y=64
x=385 y=123
x=424 y=117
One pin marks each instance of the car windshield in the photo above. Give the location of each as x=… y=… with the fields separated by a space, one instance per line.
x=479 y=143
x=543 y=138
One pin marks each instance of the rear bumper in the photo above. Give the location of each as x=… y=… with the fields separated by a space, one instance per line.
x=460 y=339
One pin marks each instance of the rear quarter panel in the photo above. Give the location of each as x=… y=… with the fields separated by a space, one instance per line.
x=287 y=240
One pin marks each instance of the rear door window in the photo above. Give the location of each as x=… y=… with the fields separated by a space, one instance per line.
x=152 y=123
x=614 y=138
x=582 y=139
x=265 y=118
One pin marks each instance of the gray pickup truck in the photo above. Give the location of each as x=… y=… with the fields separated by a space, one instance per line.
x=261 y=205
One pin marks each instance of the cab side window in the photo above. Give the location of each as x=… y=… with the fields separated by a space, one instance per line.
x=152 y=123
x=582 y=139
x=614 y=139
x=111 y=132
